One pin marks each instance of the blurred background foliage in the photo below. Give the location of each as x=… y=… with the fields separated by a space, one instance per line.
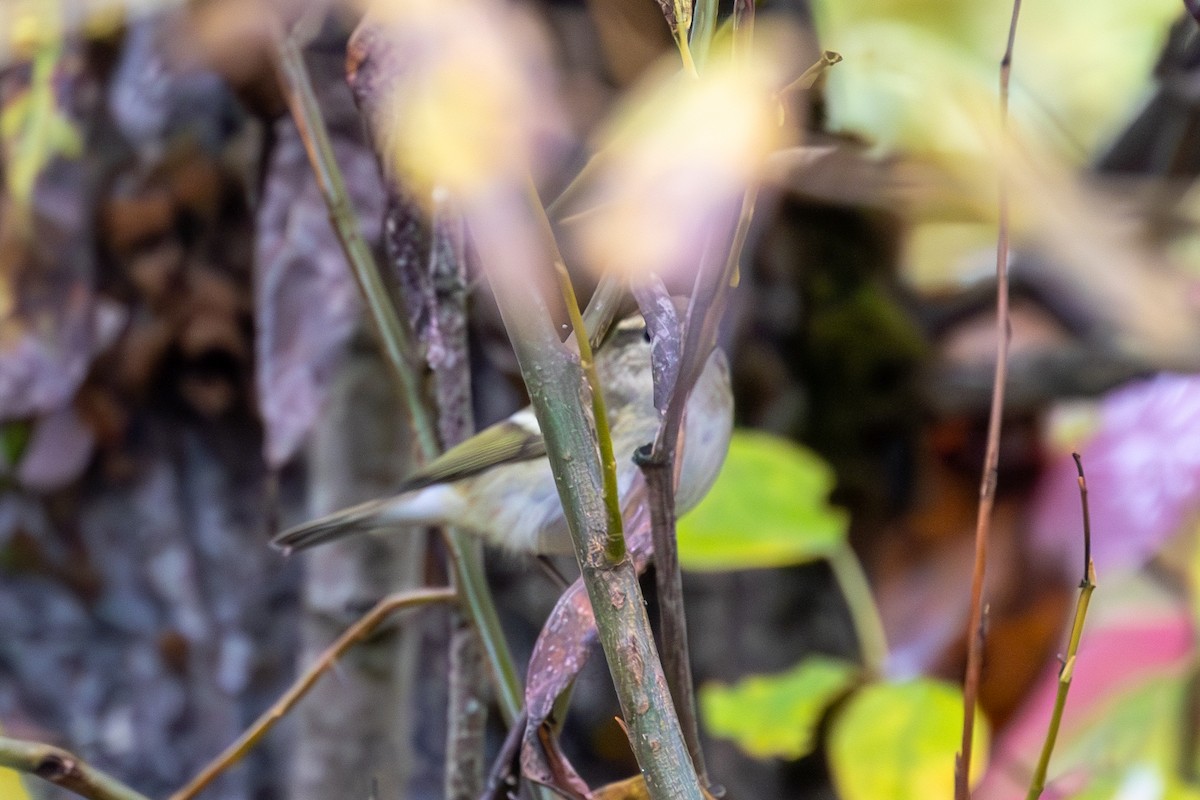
x=172 y=301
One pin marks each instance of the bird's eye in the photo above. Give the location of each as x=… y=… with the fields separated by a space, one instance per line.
x=646 y=334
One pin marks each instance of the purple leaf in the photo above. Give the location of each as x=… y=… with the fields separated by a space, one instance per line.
x=666 y=336
x=307 y=305
x=43 y=366
x=58 y=451
x=1143 y=471
x=563 y=647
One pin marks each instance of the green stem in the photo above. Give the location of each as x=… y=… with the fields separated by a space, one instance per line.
x=468 y=568
x=1038 y=782
x=614 y=545
x=472 y=586
x=704 y=23
x=685 y=53
x=507 y=235
x=598 y=316
x=63 y=769
x=856 y=590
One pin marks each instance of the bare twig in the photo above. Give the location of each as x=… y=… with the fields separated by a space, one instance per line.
x=810 y=76
x=354 y=634
x=63 y=769
x=466 y=714
x=503 y=768
x=443 y=287
x=987 y=489
x=658 y=465
x=1086 y=586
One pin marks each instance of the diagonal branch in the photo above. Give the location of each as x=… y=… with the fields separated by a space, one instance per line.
x=354 y=634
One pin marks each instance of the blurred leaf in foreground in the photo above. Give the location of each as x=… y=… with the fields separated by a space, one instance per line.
x=34 y=129
x=768 y=508
x=1132 y=740
x=907 y=61
x=1145 y=454
x=899 y=740
x=777 y=715
x=470 y=102
x=676 y=158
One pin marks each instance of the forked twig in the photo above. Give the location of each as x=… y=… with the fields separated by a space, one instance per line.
x=1086 y=586
x=987 y=489
x=354 y=634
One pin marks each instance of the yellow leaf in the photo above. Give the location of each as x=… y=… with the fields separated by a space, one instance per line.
x=11 y=786
x=34 y=129
x=899 y=741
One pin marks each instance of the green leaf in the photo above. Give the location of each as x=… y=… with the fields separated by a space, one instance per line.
x=911 y=67
x=768 y=508
x=1138 y=727
x=899 y=741
x=777 y=715
x=14 y=437
x=1138 y=780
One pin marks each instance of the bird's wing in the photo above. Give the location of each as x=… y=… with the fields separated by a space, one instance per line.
x=518 y=438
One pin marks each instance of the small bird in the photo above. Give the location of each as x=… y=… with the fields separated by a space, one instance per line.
x=498 y=484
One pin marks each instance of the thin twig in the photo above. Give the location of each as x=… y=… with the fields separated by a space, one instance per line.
x=810 y=76
x=443 y=287
x=63 y=769
x=393 y=335
x=856 y=591
x=987 y=490
x=1087 y=521
x=502 y=771
x=1087 y=585
x=468 y=567
x=354 y=634
x=614 y=545
x=658 y=466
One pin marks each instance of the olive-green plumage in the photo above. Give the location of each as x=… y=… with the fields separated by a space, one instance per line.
x=498 y=483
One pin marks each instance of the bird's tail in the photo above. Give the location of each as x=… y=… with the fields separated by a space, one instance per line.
x=421 y=507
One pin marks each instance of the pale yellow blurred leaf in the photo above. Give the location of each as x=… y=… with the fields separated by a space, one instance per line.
x=11 y=785
x=676 y=156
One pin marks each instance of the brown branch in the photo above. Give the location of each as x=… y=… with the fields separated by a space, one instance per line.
x=658 y=466
x=63 y=769
x=354 y=634
x=501 y=778
x=987 y=489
